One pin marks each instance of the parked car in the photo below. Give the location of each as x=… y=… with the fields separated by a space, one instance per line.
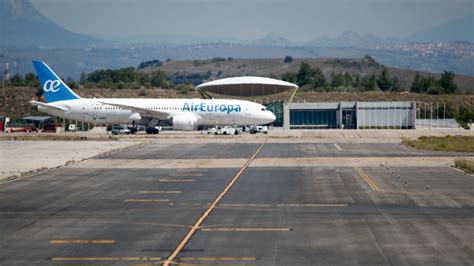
x=72 y=128
x=26 y=129
x=120 y=130
x=259 y=129
x=212 y=131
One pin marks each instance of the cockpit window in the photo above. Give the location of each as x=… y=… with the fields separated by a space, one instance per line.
x=264 y=109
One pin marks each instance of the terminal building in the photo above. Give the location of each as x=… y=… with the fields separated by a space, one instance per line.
x=350 y=115
x=316 y=115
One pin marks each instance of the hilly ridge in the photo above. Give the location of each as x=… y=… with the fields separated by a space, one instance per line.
x=272 y=67
x=24 y=26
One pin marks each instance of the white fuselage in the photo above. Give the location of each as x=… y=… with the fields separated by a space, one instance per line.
x=201 y=111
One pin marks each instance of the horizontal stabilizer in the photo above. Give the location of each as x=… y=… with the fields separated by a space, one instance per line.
x=47 y=106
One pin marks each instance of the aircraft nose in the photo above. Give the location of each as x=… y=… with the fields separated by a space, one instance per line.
x=271 y=116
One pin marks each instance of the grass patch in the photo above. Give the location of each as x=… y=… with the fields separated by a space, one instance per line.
x=465 y=164
x=448 y=143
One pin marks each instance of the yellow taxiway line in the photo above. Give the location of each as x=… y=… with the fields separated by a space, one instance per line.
x=245 y=229
x=217 y=259
x=185 y=174
x=285 y=205
x=147 y=200
x=81 y=241
x=197 y=225
x=367 y=179
x=159 y=192
x=105 y=259
x=176 y=180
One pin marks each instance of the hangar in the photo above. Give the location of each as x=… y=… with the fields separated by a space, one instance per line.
x=315 y=115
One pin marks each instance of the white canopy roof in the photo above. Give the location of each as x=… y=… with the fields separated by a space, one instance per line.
x=246 y=86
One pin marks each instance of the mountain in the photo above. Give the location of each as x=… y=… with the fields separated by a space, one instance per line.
x=271 y=40
x=461 y=29
x=353 y=39
x=23 y=26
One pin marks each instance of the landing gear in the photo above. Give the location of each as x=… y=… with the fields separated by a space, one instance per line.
x=152 y=130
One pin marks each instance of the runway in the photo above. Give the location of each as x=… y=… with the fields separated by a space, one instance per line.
x=219 y=203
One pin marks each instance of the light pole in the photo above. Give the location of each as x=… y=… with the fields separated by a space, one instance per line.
x=3 y=76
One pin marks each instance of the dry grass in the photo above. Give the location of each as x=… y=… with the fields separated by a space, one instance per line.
x=448 y=143
x=465 y=164
x=52 y=137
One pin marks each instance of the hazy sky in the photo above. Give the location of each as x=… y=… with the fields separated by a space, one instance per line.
x=244 y=20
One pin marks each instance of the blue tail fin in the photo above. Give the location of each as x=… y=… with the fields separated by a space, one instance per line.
x=53 y=87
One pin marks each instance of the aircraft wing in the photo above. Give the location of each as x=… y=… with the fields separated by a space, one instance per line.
x=47 y=106
x=142 y=111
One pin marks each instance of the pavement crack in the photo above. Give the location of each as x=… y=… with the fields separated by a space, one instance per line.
x=42 y=218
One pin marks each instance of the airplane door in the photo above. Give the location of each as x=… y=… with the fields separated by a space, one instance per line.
x=85 y=111
x=93 y=112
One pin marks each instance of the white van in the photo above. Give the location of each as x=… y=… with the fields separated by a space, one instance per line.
x=225 y=130
x=72 y=128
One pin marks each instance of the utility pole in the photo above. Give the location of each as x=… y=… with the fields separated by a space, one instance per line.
x=444 y=114
x=431 y=115
x=3 y=76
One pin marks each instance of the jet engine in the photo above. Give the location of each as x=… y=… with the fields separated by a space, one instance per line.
x=186 y=122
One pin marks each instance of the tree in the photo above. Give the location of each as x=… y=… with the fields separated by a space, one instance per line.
x=319 y=80
x=447 y=82
x=83 y=78
x=383 y=81
x=348 y=81
x=435 y=89
x=427 y=83
x=30 y=79
x=305 y=74
x=158 y=78
x=288 y=59
x=369 y=82
x=395 y=84
x=290 y=77
x=185 y=88
x=144 y=80
x=17 y=80
x=416 y=85
x=356 y=82
x=337 y=80
x=72 y=84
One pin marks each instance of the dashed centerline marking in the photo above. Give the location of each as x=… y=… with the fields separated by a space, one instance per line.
x=185 y=174
x=285 y=205
x=199 y=222
x=106 y=259
x=337 y=146
x=367 y=179
x=81 y=241
x=151 y=259
x=147 y=200
x=159 y=192
x=245 y=229
x=176 y=180
x=191 y=170
x=217 y=259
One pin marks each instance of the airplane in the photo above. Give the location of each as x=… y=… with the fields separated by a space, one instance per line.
x=181 y=114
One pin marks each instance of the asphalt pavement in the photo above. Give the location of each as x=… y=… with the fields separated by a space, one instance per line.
x=241 y=215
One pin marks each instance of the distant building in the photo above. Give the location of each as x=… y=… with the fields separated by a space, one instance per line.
x=321 y=115
x=350 y=115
